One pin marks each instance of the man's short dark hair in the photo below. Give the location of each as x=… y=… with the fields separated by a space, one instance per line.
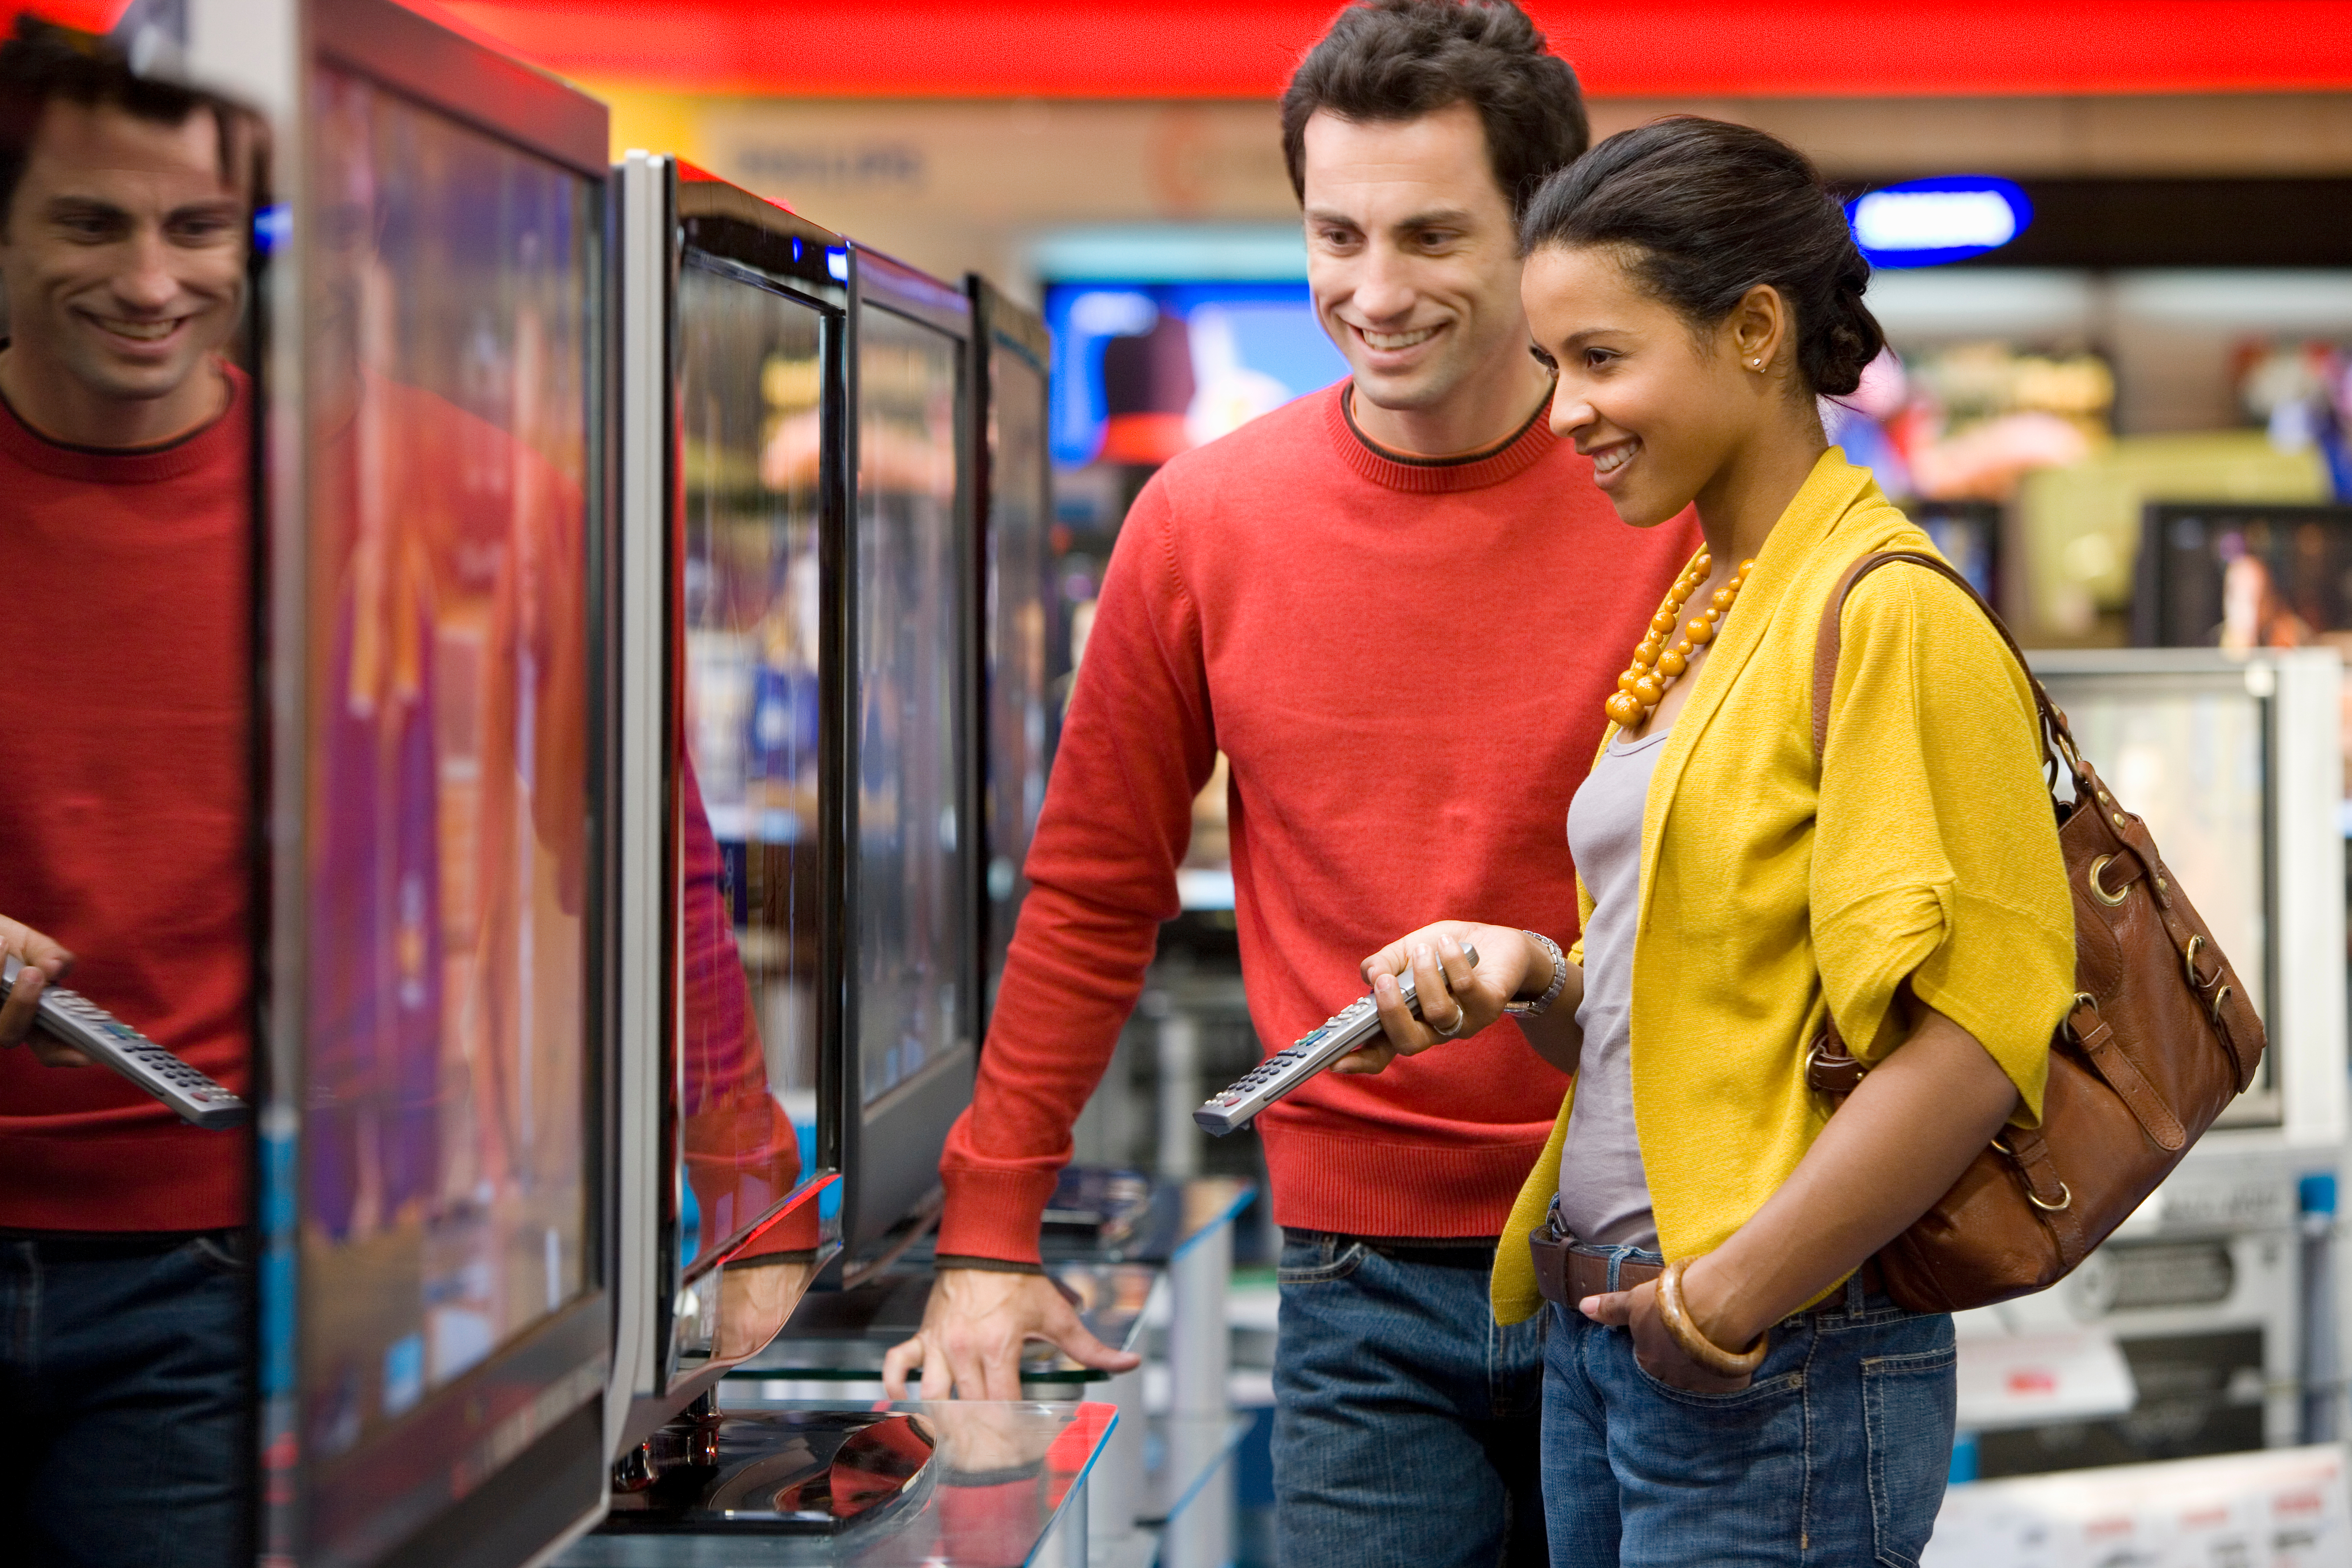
x=42 y=62
x=1400 y=60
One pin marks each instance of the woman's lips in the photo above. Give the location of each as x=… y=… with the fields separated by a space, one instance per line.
x=1610 y=461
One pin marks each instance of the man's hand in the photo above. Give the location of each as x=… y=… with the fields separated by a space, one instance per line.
x=45 y=962
x=973 y=1329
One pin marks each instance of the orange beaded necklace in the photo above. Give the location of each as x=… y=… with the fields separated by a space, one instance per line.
x=1643 y=685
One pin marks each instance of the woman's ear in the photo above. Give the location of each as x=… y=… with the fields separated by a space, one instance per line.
x=1759 y=326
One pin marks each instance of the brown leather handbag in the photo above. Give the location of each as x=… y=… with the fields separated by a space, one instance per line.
x=2160 y=1040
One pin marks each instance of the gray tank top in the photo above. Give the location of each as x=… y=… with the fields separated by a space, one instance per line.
x=1604 y=1195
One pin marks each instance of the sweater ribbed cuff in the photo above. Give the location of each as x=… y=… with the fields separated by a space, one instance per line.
x=994 y=1214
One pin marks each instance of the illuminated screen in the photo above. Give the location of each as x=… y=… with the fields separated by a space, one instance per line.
x=444 y=1129
x=1144 y=370
x=911 y=920
x=1019 y=719
x=750 y=381
x=2186 y=752
x=2246 y=576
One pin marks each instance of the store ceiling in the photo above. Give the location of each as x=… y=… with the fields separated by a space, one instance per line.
x=1245 y=48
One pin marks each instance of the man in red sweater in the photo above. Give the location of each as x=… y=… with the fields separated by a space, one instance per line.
x=1390 y=605
x=125 y=539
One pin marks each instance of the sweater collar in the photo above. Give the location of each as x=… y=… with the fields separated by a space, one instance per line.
x=1514 y=457
x=135 y=466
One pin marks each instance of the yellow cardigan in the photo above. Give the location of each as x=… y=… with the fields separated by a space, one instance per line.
x=1923 y=848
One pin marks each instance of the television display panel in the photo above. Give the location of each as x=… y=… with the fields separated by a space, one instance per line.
x=916 y=1010
x=445 y=1151
x=751 y=368
x=1144 y=370
x=2191 y=753
x=1016 y=582
x=2242 y=576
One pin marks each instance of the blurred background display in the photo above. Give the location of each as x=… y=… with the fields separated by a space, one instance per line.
x=1142 y=372
x=449 y=389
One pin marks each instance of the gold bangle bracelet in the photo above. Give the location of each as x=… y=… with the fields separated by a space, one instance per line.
x=1696 y=1345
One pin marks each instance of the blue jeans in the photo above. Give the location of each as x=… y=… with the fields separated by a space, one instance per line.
x=1406 y=1422
x=1835 y=1457
x=124 y=1419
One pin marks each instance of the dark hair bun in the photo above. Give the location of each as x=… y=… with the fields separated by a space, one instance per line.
x=1709 y=210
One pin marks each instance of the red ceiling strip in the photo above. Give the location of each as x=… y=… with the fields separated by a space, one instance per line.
x=1245 y=48
x=1224 y=50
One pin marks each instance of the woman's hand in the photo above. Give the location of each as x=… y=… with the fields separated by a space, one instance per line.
x=1661 y=1355
x=46 y=963
x=1453 y=994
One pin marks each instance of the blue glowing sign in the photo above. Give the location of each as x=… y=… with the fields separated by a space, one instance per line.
x=1926 y=223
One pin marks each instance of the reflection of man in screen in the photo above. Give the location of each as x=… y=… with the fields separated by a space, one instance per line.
x=125 y=537
x=2253 y=613
x=441 y=1134
x=443 y=1130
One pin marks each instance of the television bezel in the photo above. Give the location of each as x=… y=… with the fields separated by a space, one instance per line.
x=890 y=1150
x=505 y=1480
x=667 y=208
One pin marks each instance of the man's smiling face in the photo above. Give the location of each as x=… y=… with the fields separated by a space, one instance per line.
x=1411 y=254
x=123 y=256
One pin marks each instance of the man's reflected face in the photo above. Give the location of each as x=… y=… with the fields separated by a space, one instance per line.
x=124 y=250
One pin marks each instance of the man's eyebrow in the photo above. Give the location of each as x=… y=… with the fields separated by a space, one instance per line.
x=1435 y=217
x=1325 y=214
x=214 y=206
x=83 y=206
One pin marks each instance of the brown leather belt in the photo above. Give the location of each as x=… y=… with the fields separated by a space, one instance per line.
x=1567 y=1273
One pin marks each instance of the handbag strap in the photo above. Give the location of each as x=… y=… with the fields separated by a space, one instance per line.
x=1833 y=635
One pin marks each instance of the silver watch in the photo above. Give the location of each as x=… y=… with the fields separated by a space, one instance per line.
x=1551 y=993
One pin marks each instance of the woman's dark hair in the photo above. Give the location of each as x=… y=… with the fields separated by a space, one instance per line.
x=1704 y=211
x=1400 y=60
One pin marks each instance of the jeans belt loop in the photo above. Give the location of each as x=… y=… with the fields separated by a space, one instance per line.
x=1616 y=1259
x=1854 y=1294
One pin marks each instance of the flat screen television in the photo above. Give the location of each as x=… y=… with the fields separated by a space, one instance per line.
x=733 y=328
x=1013 y=488
x=434 y=1326
x=908 y=996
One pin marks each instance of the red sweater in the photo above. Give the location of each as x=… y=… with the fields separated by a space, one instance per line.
x=124 y=810
x=1362 y=637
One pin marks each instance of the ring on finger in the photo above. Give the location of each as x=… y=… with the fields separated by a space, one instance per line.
x=1460 y=1016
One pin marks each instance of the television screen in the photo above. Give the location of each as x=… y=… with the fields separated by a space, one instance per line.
x=2189 y=752
x=445 y=1156
x=1142 y=372
x=916 y=1012
x=1020 y=708
x=751 y=378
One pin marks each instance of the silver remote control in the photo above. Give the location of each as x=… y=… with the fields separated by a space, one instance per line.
x=103 y=1037
x=1348 y=1029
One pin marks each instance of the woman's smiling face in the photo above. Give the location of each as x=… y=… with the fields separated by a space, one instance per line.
x=1659 y=407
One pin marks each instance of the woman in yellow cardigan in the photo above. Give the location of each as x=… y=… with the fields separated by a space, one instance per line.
x=1726 y=1383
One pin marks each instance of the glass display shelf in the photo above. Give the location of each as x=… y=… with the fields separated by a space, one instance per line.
x=1110 y=1237
x=913 y=1485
